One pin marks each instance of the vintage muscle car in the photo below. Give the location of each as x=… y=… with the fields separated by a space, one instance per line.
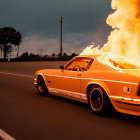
x=91 y=80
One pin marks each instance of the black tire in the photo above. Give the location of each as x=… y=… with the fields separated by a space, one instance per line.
x=98 y=100
x=42 y=89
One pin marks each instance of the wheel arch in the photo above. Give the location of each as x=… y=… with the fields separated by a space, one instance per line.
x=101 y=84
x=39 y=77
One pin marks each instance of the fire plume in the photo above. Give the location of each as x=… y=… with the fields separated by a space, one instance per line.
x=124 y=39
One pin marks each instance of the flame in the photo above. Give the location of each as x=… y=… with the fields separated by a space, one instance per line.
x=124 y=39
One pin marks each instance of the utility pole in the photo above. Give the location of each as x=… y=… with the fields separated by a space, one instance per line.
x=61 y=23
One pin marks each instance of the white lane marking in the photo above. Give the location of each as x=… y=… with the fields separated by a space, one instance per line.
x=16 y=74
x=95 y=79
x=5 y=136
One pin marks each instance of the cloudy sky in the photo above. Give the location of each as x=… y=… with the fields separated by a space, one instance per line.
x=38 y=21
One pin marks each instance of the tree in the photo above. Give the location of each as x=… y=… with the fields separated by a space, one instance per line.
x=9 y=37
x=25 y=54
x=1 y=51
x=18 y=41
x=73 y=54
x=53 y=54
x=64 y=54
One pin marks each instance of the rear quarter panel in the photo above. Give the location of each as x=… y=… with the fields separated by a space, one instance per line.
x=114 y=83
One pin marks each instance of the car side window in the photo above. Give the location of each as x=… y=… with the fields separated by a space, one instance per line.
x=79 y=64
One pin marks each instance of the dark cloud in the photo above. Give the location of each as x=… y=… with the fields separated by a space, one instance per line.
x=84 y=20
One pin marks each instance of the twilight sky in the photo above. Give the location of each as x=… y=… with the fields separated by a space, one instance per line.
x=37 y=20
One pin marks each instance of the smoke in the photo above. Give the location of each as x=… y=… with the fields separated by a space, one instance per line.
x=124 y=39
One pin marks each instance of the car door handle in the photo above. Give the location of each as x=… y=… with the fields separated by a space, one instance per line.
x=49 y=81
x=78 y=74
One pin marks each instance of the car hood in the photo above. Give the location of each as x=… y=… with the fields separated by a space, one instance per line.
x=133 y=72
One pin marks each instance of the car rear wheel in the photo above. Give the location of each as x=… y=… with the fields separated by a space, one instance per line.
x=42 y=89
x=98 y=100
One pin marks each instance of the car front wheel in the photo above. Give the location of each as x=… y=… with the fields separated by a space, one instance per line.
x=42 y=89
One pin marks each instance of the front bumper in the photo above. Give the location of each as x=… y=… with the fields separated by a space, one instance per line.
x=35 y=82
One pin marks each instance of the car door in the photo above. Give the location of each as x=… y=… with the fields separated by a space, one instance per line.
x=69 y=79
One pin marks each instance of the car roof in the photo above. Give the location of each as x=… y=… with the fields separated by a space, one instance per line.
x=96 y=65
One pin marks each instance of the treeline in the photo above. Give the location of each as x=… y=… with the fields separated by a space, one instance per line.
x=36 y=57
x=10 y=38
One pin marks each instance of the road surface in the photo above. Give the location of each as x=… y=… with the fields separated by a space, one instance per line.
x=25 y=115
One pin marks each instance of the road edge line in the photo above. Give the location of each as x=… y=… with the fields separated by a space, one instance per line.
x=5 y=136
x=16 y=74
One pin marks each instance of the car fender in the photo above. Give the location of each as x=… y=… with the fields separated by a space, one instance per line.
x=101 y=84
x=41 y=74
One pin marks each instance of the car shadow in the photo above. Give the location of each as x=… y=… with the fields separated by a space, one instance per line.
x=113 y=114
x=125 y=117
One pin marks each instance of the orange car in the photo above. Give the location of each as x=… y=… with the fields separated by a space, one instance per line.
x=90 y=80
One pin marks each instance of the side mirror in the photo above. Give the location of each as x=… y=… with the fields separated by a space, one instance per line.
x=62 y=67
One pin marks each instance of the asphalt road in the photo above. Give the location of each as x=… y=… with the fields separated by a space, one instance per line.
x=25 y=115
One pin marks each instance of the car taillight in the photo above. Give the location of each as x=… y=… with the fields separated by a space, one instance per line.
x=138 y=92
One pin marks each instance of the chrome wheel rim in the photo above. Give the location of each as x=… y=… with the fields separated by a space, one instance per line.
x=41 y=87
x=96 y=99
